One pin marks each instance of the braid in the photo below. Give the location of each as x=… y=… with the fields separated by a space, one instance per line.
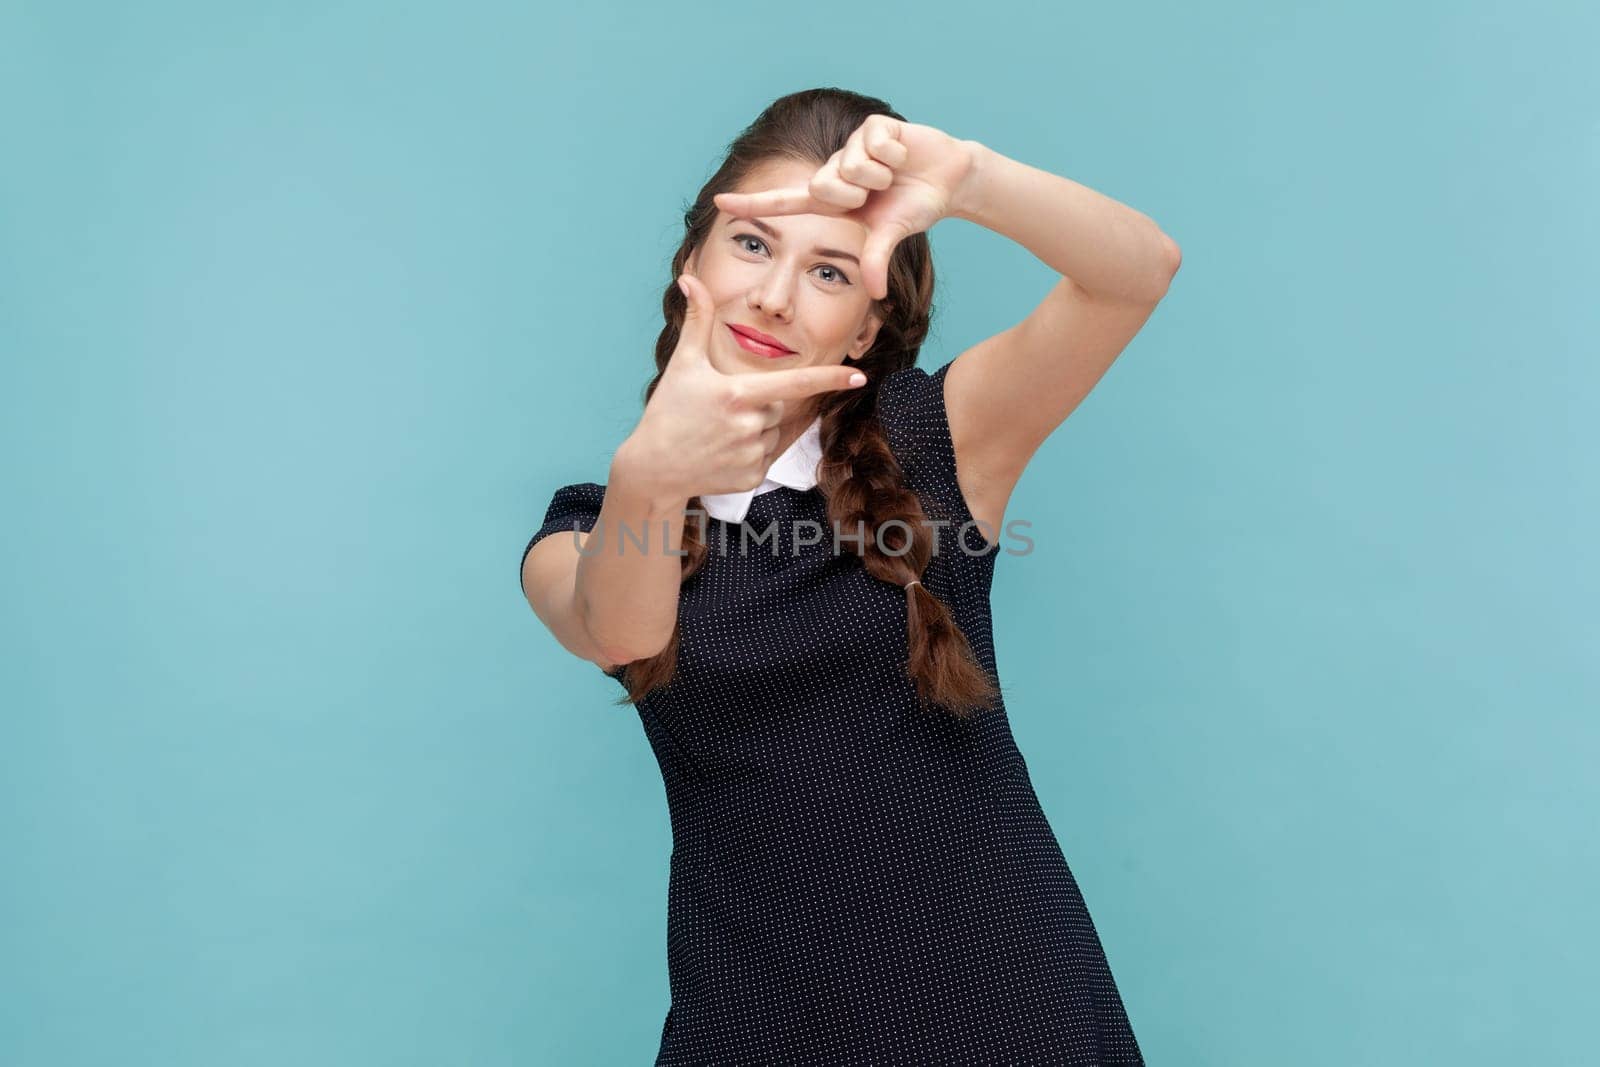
x=866 y=492
x=863 y=484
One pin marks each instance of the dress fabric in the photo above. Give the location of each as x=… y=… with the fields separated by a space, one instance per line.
x=854 y=878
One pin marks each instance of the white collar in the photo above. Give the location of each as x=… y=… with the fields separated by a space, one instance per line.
x=796 y=468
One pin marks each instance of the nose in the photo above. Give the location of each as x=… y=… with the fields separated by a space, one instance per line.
x=772 y=295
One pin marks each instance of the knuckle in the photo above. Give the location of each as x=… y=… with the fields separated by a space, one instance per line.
x=731 y=397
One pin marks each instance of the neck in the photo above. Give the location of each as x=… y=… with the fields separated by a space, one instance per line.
x=790 y=429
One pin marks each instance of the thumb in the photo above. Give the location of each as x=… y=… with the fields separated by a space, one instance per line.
x=695 y=336
x=880 y=246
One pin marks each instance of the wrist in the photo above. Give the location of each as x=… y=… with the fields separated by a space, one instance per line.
x=967 y=201
x=632 y=473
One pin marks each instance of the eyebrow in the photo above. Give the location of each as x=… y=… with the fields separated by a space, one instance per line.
x=770 y=232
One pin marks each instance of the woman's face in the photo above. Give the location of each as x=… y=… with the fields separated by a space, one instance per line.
x=768 y=275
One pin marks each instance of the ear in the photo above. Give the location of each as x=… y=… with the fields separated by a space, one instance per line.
x=867 y=334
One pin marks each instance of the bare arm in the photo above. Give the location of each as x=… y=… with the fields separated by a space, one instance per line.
x=615 y=601
x=1008 y=393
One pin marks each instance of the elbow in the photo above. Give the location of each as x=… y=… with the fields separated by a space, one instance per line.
x=1162 y=273
x=614 y=650
x=614 y=655
x=622 y=654
x=1174 y=254
x=619 y=649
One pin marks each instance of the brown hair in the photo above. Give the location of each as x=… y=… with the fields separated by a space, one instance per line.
x=858 y=474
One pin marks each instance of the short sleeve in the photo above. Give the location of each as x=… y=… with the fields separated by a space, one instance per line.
x=574 y=507
x=911 y=411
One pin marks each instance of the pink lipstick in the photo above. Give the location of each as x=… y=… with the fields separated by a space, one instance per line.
x=759 y=343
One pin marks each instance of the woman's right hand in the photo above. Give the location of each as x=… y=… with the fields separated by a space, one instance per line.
x=704 y=431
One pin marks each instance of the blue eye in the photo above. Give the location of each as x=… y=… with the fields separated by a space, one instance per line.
x=743 y=237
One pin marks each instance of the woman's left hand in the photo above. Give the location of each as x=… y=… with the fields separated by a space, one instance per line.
x=896 y=178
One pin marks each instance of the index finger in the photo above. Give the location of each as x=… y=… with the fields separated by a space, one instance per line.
x=798 y=382
x=774 y=202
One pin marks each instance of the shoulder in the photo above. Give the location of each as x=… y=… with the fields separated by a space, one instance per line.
x=910 y=391
x=911 y=411
x=912 y=414
x=916 y=423
x=577 y=497
x=572 y=507
x=577 y=503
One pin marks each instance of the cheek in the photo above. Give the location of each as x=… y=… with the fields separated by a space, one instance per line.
x=727 y=279
x=835 y=325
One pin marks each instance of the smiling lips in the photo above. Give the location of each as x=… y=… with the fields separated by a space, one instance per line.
x=759 y=343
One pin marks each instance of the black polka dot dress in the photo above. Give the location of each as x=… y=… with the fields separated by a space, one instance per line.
x=855 y=879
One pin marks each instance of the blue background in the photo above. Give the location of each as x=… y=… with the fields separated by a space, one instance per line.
x=306 y=310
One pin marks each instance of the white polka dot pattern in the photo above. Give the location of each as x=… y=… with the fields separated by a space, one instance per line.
x=854 y=879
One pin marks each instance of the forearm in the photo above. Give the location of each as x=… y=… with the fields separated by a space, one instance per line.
x=631 y=568
x=1106 y=247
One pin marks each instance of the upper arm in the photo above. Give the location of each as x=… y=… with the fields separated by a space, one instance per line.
x=1006 y=394
x=550 y=583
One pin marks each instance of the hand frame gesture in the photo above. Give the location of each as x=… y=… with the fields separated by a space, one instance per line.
x=896 y=178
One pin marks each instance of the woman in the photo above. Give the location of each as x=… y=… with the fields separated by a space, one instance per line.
x=788 y=570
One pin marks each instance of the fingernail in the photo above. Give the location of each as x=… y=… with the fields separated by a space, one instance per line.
x=858 y=379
